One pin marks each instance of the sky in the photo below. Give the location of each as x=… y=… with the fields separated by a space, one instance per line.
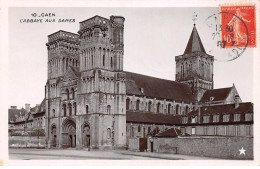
x=152 y=39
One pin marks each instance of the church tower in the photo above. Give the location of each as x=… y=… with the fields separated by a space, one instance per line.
x=102 y=84
x=195 y=66
x=63 y=48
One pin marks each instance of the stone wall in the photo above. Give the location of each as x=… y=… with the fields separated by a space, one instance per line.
x=218 y=147
x=133 y=144
x=26 y=141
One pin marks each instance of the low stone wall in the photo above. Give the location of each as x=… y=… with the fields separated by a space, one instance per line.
x=218 y=147
x=133 y=144
x=167 y=148
x=26 y=141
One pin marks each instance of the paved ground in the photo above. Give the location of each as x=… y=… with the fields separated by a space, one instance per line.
x=72 y=154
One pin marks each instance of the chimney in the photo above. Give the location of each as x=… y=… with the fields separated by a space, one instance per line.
x=237 y=101
x=27 y=108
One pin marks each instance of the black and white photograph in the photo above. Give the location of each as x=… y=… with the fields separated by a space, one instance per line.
x=169 y=83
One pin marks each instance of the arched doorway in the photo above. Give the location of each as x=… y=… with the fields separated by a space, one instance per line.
x=68 y=133
x=53 y=136
x=85 y=135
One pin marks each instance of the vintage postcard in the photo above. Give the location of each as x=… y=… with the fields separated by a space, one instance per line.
x=96 y=81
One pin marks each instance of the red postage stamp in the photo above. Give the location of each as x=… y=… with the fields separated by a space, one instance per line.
x=238 y=26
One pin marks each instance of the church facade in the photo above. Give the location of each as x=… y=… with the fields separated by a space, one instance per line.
x=85 y=91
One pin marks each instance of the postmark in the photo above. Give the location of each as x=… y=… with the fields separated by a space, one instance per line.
x=223 y=45
x=235 y=33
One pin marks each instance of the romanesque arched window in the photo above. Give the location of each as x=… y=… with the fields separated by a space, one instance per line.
x=67 y=62
x=85 y=60
x=92 y=60
x=75 y=108
x=73 y=93
x=70 y=109
x=108 y=109
x=53 y=112
x=111 y=62
x=137 y=105
x=169 y=108
x=177 y=109
x=158 y=107
x=186 y=68
x=103 y=60
x=149 y=106
x=117 y=86
x=86 y=109
x=108 y=133
x=67 y=94
x=64 y=109
x=127 y=104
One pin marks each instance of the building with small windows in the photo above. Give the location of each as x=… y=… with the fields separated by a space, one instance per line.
x=220 y=120
x=91 y=102
x=31 y=118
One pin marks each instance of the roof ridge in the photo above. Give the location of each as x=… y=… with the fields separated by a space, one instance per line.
x=153 y=77
x=225 y=104
x=220 y=88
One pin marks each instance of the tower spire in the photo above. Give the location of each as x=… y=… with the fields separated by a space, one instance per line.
x=194 y=44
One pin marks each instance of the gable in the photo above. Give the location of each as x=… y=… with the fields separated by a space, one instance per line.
x=231 y=96
x=71 y=73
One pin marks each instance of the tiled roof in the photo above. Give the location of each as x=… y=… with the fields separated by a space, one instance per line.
x=194 y=44
x=140 y=117
x=246 y=107
x=172 y=132
x=157 y=88
x=217 y=94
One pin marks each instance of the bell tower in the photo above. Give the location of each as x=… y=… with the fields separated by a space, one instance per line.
x=102 y=83
x=63 y=48
x=195 y=66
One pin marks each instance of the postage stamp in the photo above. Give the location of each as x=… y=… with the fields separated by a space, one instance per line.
x=238 y=26
x=223 y=45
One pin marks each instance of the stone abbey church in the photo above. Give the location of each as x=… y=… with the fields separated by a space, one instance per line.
x=90 y=101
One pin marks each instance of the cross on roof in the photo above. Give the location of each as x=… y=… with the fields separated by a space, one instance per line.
x=194 y=18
